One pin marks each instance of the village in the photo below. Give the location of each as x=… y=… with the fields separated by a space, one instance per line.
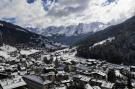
x=61 y=69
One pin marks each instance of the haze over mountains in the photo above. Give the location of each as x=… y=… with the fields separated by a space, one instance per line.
x=70 y=34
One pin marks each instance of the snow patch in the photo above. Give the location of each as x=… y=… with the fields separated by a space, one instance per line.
x=104 y=41
x=28 y=52
x=8 y=48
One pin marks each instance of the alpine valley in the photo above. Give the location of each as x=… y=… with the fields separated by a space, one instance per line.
x=67 y=44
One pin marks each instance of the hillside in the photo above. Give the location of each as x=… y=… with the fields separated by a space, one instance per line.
x=14 y=35
x=119 y=50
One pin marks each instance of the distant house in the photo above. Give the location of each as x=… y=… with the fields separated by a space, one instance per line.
x=12 y=83
x=103 y=84
x=132 y=68
x=3 y=75
x=87 y=86
x=133 y=83
x=98 y=75
x=48 y=68
x=81 y=80
x=37 y=82
x=2 y=59
x=96 y=87
x=95 y=82
x=120 y=84
x=107 y=85
x=48 y=76
x=60 y=87
x=2 y=69
x=61 y=76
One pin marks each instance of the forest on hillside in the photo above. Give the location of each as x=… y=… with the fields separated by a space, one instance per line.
x=121 y=50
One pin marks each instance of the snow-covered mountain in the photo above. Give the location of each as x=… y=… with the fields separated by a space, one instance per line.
x=70 y=34
x=73 y=30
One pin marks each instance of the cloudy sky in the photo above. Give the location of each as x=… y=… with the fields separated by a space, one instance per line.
x=44 y=13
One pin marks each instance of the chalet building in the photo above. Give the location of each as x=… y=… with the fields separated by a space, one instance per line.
x=48 y=68
x=3 y=75
x=2 y=69
x=107 y=85
x=98 y=75
x=60 y=87
x=95 y=82
x=133 y=83
x=132 y=68
x=120 y=84
x=96 y=87
x=61 y=76
x=48 y=76
x=12 y=83
x=47 y=80
x=37 y=82
x=81 y=80
x=2 y=59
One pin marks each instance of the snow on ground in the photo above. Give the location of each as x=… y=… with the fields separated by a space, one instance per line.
x=12 y=83
x=87 y=86
x=8 y=48
x=117 y=73
x=61 y=87
x=28 y=52
x=4 y=54
x=5 y=50
x=96 y=87
x=104 y=41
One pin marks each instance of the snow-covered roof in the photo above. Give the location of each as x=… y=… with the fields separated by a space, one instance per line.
x=8 y=48
x=37 y=79
x=87 y=86
x=49 y=66
x=12 y=83
x=118 y=74
x=107 y=85
x=81 y=66
x=61 y=87
x=47 y=74
x=83 y=77
x=95 y=80
x=96 y=87
x=65 y=81
x=99 y=72
x=104 y=41
x=132 y=66
x=28 y=52
x=4 y=54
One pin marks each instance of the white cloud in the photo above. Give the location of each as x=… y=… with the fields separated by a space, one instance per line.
x=66 y=12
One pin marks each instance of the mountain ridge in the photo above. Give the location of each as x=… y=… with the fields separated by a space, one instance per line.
x=74 y=32
x=15 y=35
